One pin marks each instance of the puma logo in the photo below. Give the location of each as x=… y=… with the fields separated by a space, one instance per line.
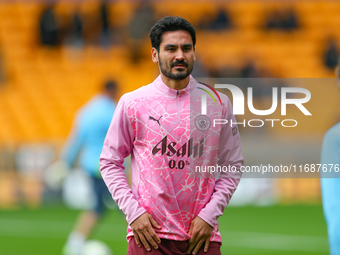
x=157 y=120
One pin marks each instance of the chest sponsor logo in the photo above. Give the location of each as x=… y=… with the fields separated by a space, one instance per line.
x=165 y=146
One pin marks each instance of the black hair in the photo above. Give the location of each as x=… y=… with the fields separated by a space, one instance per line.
x=170 y=23
x=110 y=85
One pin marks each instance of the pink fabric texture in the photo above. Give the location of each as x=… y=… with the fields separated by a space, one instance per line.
x=158 y=127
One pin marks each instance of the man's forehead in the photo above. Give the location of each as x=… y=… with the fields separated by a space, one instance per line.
x=176 y=37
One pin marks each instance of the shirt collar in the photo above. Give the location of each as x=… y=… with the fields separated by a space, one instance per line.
x=160 y=85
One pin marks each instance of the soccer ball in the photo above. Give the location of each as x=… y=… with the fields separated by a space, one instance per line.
x=95 y=247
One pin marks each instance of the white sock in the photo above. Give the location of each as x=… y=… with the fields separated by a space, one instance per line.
x=75 y=243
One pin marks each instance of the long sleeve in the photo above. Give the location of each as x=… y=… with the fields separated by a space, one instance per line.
x=118 y=144
x=229 y=154
x=330 y=187
x=74 y=143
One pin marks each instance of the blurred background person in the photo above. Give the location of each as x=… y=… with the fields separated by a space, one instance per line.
x=2 y=73
x=331 y=53
x=330 y=183
x=105 y=23
x=139 y=27
x=74 y=31
x=48 y=27
x=282 y=19
x=86 y=141
x=221 y=21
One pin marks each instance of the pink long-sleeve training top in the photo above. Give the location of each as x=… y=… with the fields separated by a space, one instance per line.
x=182 y=143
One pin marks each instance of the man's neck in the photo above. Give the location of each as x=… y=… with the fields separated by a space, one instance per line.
x=175 y=84
x=107 y=94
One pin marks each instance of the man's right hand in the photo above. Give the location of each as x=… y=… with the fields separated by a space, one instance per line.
x=143 y=231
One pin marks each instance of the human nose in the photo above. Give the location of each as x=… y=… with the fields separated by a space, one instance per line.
x=179 y=55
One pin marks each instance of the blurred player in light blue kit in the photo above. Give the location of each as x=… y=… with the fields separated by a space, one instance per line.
x=85 y=143
x=330 y=186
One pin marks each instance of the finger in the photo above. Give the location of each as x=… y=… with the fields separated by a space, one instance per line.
x=136 y=239
x=190 y=228
x=154 y=235
x=154 y=223
x=191 y=247
x=144 y=241
x=150 y=239
x=198 y=246
x=206 y=246
x=193 y=237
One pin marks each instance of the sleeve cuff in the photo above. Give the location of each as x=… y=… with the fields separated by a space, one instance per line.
x=138 y=213
x=211 y=222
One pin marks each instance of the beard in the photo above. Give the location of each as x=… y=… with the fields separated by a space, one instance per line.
x=179 y=75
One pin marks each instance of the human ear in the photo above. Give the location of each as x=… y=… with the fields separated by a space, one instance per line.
x=154 y=55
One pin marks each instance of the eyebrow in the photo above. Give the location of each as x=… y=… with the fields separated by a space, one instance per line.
x=175 y=45
x=187 y=45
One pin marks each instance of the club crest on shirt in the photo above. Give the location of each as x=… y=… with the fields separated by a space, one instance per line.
x=202 y=123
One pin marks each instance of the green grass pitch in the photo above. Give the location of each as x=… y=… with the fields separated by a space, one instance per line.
x=279 y=230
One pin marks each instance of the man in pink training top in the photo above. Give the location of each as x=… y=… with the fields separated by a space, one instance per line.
x=176 y=151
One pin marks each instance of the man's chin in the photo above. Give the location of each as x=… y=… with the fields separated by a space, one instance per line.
x=180 y=76
x=177 y=75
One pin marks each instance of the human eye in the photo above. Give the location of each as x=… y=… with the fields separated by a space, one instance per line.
x=187 y=48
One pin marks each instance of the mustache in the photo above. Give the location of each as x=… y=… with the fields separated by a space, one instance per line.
x=179 y=62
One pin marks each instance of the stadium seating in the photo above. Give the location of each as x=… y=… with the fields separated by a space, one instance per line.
x=55 y=82
x=44 y=87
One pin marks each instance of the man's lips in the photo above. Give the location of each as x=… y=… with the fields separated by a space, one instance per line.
x=180 y=65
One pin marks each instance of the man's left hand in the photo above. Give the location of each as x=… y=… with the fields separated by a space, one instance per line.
x=200 y=232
